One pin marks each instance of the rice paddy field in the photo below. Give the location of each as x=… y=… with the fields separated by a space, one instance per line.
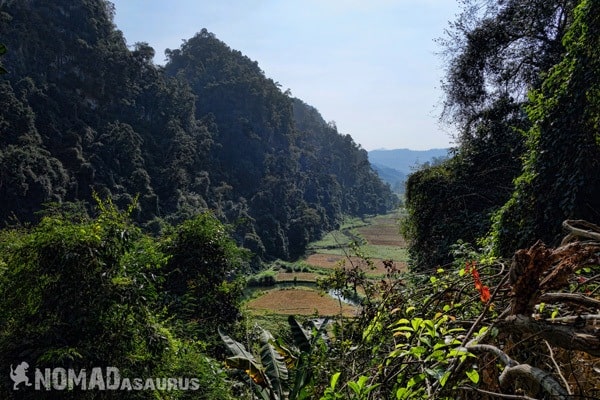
x=295 y=291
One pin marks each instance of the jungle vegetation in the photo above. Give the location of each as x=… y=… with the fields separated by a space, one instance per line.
x=84 y=112
x=136 y=198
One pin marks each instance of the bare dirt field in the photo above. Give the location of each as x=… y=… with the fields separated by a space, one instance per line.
x=330 y=261
x=298 y=301
x=383 y=232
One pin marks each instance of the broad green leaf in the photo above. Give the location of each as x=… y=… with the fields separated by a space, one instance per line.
x=401 y=321
x=273 y=362
x=444 y=378
x=473 y=375
x=235 y=347
x=403 y=328
x=417 y=350
x=402 y=393
x=416 y=323
x=334 y=380
x=354 y=386
x=301 y=337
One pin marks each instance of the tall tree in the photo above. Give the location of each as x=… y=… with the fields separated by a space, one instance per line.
x=497 y=51
x=207 y=131
x=560 y=178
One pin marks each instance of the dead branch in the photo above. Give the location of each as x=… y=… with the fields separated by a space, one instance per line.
x=568 y=259
x=579 y=229
x=514 y=370
x=538 y=269
x=536 y=375
x=570 y=337
x=575 y=298
x=557 y=367
x=577 y=320
x=527 y=266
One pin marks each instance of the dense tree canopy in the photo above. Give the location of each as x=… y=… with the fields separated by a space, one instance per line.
x=560 y=177
x=82 y=293
x=84 y=112
x=513 y=67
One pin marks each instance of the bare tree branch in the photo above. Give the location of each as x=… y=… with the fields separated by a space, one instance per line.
x=586 y=339
x=541 y=377
x=514 y=370
x=580 y=229
x=577 y=298
x=558 y=371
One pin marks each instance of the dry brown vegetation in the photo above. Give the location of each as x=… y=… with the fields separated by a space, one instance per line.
x=383 y=232
x=299 y=301
x=330 y=261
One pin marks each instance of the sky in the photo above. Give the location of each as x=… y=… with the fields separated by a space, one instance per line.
x=371 y=66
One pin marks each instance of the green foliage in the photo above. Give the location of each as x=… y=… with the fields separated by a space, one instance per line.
x=447 y=334
x=83 y=112
x=265 y=278
x=454 y=200
x=202 y=281
x=89 y=293
x=524 y=163
x=406 y=342
x=497 y=50
x=281 y=370
x=559 y=179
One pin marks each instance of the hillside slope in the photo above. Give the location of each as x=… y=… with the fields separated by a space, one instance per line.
x=393 y=166
x=405 y=160
x=85 y=113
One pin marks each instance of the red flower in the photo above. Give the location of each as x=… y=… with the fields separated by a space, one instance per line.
x=484 y=294
x=484 y=291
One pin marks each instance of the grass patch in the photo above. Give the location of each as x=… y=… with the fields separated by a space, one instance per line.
x=277 y=324
x=291 y=277
x=332 y=241
x=398 y=254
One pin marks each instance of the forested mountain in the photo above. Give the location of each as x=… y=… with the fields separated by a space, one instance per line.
x=393 y=166
x=396 y=179
x=522 y=90
x=407 y=160
x=495 y=303
x=83 y=112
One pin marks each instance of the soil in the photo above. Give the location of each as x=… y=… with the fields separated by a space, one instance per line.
x=299 y=301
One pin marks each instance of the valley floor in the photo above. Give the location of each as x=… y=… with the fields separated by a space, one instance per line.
x=293 y=289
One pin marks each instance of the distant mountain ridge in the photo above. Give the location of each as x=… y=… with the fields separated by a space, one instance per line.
x=405 y=160
x=393 y=166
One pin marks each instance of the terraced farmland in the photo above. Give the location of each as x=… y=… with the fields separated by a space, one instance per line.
x=295 y=290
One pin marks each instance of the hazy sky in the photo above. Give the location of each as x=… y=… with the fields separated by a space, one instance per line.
x=369 y=65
